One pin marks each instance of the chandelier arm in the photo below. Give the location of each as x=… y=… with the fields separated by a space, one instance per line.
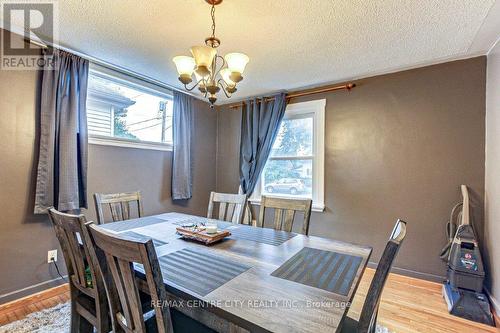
x=221 y=67
x=222 y=84
x=191 y=89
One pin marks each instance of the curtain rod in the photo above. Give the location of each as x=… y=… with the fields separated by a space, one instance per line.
x=301 y=93
x=43 y=44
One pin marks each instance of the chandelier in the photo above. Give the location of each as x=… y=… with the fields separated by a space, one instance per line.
x=212 y=72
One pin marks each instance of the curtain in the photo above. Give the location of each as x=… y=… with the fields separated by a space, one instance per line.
x=62 y=166
x=182 y=172
x=260 y=123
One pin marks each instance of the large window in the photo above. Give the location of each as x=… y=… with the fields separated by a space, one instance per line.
x=295 y=165
x=125 y=113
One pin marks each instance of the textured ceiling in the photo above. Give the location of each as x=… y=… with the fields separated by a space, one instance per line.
x=291 y=43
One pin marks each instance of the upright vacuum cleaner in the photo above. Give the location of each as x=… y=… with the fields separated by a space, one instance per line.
x=463 y=290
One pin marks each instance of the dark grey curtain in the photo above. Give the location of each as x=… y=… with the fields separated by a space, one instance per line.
x=181 y=162
x=260 y=124
x=62 y=166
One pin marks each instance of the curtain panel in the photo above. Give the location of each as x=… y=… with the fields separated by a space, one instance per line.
x=260 y=123
x=182 y=171
x=62 y=166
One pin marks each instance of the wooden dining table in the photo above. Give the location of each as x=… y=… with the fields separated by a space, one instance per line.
x=257 y=279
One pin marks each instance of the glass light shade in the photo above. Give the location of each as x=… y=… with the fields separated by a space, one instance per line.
x=203 y=55
x=226 y=73
x=236 y=62
x=185 y=65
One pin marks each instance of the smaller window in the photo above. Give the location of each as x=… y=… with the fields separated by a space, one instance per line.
x=295 y=167
x=124 y=113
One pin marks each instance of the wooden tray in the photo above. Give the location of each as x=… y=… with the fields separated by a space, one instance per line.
x=200 y=235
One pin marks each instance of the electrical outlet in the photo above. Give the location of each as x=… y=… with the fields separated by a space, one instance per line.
x=51 y=256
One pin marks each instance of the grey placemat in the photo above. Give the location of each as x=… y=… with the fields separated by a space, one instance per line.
x=197 y=271
x=131 y=224
x=135 y=235
x=260 y=235
x=326 y=270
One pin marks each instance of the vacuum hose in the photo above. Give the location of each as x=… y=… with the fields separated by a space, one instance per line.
x=451 y=229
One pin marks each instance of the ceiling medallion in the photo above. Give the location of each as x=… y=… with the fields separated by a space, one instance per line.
x=212 y=72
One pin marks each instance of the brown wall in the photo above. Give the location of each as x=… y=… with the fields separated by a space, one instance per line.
x=492 y=176
x=26 y=238
x=397 y=146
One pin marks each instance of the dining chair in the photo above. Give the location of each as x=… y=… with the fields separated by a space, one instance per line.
x=231 y=206
x=89 y=305
x=116 y=256
x=284 y=212
x=119 y=205
x=368 y=319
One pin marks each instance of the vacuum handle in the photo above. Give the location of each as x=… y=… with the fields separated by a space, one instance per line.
x=465 y=206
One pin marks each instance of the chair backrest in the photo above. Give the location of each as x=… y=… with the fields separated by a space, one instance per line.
x=116 y=257
x=76 y=249
x=231 y=206
x=368 y=318
x=284 y=212
x=119 y=205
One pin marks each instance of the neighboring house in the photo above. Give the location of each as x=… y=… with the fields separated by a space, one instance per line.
x=103 y=104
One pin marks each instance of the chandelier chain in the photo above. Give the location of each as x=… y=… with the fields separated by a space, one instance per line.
x=212 y=13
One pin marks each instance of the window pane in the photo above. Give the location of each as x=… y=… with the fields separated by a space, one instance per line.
x=118 y=110
x=288 y=177
x=295 y=138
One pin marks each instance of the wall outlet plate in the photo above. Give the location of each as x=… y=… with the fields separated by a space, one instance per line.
x=51 y=256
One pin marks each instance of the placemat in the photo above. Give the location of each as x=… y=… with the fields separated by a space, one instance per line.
x=260 y=235
x=198 y=271
x=131 y=234
x=326 y=270
x=131 y=224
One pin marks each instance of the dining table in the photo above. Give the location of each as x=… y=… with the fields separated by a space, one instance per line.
x=256 y=279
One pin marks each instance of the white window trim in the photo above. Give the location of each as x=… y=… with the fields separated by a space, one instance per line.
x=316 y=107
x=135 y=84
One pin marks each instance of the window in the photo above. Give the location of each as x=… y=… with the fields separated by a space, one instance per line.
x=123 y=112
x=295 y=166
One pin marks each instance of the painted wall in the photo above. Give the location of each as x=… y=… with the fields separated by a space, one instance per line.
x=396 y=146
x=492 y=178
x=25 y=238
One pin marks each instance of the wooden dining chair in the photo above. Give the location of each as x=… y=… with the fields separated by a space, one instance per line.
x=89 y=305
x=368 y=319
x=231 y=206
x=284 y=212
x=119 y=205
x=116 y=256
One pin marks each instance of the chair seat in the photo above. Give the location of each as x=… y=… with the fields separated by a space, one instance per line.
x=349 y=325
x=180 y=322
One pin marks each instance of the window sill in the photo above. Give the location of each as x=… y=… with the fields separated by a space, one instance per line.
x=107 y=141
x=316 y=207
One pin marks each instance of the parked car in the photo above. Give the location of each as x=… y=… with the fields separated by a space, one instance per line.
x=287 y=185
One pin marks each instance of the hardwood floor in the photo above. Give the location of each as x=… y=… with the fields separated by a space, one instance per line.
x=412 y=306
x=408 y=306
x=20 y=308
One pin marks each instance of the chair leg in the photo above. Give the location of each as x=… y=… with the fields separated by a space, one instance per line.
x=75 y=318
x=373 y=328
